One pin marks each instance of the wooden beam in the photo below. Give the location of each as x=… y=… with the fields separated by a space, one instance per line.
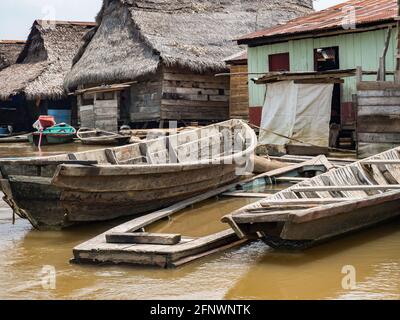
x=346 y=188
x=382 y=59
x=370 y=162
x=246 y=195
x=144 y=238
x=320 y=201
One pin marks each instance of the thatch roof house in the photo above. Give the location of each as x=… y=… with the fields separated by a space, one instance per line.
x=173 y=49
x=9 y=52
x=34 y=83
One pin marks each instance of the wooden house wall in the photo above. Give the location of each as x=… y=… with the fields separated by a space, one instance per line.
x=145 y=99
x=239 y=93
x=378 y=118
x=355 y=49
x=190 y=96
x=102 y=114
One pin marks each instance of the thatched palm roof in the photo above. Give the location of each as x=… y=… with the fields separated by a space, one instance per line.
x=44 y=61
x=134 y=37
x=9 y=52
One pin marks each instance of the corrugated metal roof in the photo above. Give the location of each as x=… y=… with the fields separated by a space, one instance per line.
x=366 y=12
x=241 y=56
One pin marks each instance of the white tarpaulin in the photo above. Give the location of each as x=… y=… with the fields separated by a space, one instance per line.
x=300 y=111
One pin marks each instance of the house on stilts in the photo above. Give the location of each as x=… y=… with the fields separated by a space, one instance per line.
x=152 y=61
x=34 y=84
x=307 y=51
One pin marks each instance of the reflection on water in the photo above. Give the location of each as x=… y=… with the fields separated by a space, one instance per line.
x=250 y=272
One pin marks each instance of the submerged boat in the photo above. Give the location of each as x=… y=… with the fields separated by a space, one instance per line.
x=58 y=134
x=101 y=137
x=60 y=191
x=335 y=203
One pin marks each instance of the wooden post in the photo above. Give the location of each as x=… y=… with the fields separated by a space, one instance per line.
x=382 y=59
x=359 y=75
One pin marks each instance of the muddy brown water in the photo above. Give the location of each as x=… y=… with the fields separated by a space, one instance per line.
x=253 y=271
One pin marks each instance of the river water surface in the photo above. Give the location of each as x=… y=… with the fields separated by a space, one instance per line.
x=250 y=272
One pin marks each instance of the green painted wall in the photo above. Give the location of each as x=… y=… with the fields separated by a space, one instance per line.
x=355 y=49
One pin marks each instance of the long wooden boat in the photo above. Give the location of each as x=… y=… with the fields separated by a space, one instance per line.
x=13 y=138
x=101 y=137
x=60 y=191
x=338 y=202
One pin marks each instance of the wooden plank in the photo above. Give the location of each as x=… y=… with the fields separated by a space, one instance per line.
x=321 y=201
x=379 y=137
x=382 y=110
x=39 y=162
x=366 y=150
x=378 y=124
x=381 y=161
x=306 y=150
x=379 y=93
x=246 y=195
x=374 y=101
x=144 y=238
x=379 y=85
x=290 y=179
x=190 y=91
x=187 y=103
x=196 y=78
x=346 y=188
x=302 y=216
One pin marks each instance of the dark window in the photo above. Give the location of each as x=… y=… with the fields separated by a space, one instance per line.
x=279 y=62
x=326 y=59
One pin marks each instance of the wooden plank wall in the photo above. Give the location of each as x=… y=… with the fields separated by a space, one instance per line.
x=198 y=97
x=106 y=115
x=378 y=118
x=145 y=99
x=103 y=114
x=239 y=89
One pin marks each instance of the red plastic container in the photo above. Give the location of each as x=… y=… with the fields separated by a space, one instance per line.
x=47 y=121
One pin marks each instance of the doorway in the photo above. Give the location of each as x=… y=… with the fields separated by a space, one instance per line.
x=326 y=59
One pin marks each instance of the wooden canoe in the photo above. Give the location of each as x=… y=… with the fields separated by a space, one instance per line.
x=101 y=137
x=60 y=191
x=343 y=200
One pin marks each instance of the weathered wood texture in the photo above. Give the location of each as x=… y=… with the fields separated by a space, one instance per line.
x=145 y=99
x=188 y=96
x=344 y=200
x=239 y=93
x=144 y=238
x=378 y=118
x=102 y=114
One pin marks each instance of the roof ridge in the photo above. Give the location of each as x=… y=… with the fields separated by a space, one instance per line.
x=12 y=41
x=67 y=22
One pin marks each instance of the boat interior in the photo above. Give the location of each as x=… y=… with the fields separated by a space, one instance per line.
x=366 y=179
x=207 y=143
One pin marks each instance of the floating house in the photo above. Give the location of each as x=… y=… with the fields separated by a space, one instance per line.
x=172 y=51
x=34 y=84
x=343 y=37
x=9 y=52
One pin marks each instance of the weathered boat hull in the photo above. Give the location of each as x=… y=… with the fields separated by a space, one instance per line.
x=51 y=207
x=342 y=201
x=51 y=139
x=301 y=236
x=107 y=141
x=61 y=191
